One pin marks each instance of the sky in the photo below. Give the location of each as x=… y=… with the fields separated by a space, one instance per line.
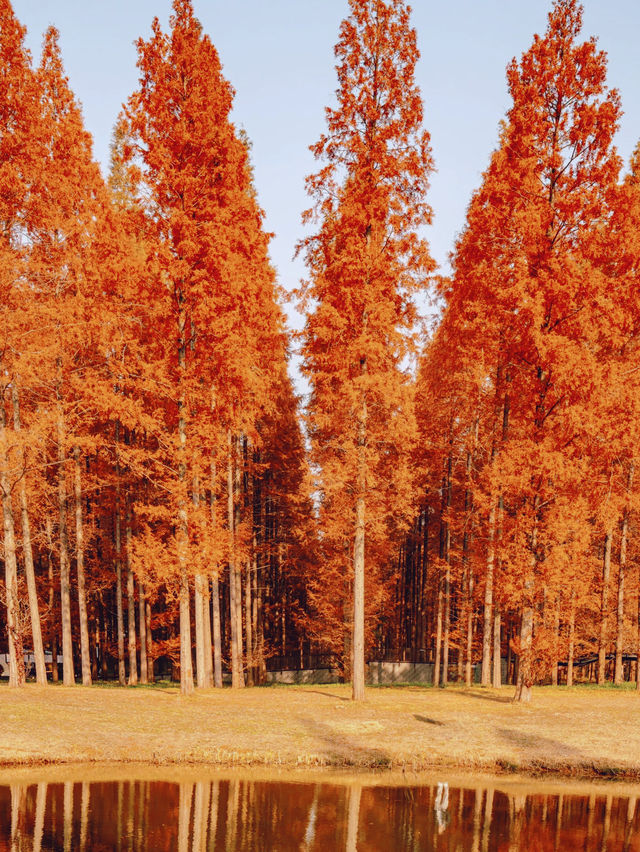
x=278 y=55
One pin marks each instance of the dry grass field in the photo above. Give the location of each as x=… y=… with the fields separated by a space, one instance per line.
x=580 y=732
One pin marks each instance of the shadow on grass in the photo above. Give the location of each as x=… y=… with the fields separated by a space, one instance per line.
x=160 y=686
x=339 y=749
x=428 y=720
x=484 y=696
x=326 y=694
x=553 y=749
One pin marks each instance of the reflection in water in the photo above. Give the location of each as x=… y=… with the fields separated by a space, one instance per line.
x=310 y=833
x=238 y=814
x=353 y=819
x=441 y=806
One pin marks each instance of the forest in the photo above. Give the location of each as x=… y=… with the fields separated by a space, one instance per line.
x=465 y=498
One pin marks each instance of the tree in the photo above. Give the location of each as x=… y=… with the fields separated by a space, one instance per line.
x=562 y=172
x=19 y=150
x=214 y=333
x=365 y=262
x=530 y=334
x=69 y=227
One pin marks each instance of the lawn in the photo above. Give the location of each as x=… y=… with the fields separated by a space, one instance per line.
x=579 y=731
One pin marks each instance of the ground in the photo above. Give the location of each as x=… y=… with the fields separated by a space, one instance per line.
x=582 y=731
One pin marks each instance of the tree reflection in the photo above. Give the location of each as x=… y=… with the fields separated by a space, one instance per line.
x=38 y=828
x=353 y=817
x=228 y=815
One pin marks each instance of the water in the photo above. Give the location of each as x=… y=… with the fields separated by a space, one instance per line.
x=248 y=814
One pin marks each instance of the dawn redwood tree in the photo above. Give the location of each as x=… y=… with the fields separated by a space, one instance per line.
x=213 y=336
x=19 y=151
x=71 y=261
x=562 y=173
x=178 y=145
x=623 y=414
x=365 y=262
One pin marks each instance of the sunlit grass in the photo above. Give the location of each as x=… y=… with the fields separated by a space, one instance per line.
x=581 y=731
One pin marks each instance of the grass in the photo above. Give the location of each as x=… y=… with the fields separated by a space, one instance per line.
x=579 y=732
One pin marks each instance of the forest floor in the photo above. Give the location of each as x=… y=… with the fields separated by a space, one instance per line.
x=579 y=732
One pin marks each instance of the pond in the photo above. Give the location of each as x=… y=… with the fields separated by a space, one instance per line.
x=202 y=813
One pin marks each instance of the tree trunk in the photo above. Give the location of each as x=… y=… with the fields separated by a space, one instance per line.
x=237 y=676
x=182 y=539
x=556 y=642
x=619 y=673
x=118 y=548
x=248 y=622
x=440 y=606
x=347 y=628
x=468 y=667
x=186 y=661
x=467 y=583
x=147 y=618
x=142 y=620
x=68 y=677
x=523 y=688
x=604 y=604
x=199 y=623
x=29 y=570
x=53 y=628
x=254 y=616
x=217 y=633
x=447 y=622
x=239 y=517
x=131 y=603
x=119 y=608
x=466 y=547
x=487 y=632
x=103 y=631
x=200 y=610
x=85 y=651
x=497 y=645
x=208 y=639
x=262 y=665
x=357 y=672
x=572 y=633
x=215 y=595
x=94 y=639
x=497 y=657
x=525 y=673
x=16 y=655
x=469 y=645
x=447 y=576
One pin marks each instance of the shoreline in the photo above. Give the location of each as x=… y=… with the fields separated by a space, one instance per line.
x=499 y=769
x=536 y=771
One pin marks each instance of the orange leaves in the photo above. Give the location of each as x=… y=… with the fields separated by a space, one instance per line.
x=522 y=378
x=365 y=262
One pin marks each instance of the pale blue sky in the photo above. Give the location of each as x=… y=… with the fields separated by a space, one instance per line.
x=278 y=54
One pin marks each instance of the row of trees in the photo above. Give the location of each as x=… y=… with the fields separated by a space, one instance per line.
x=527 y=396
x=521 y=455
x=149 y=427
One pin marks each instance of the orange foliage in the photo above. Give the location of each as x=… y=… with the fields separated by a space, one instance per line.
x=366 y=261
